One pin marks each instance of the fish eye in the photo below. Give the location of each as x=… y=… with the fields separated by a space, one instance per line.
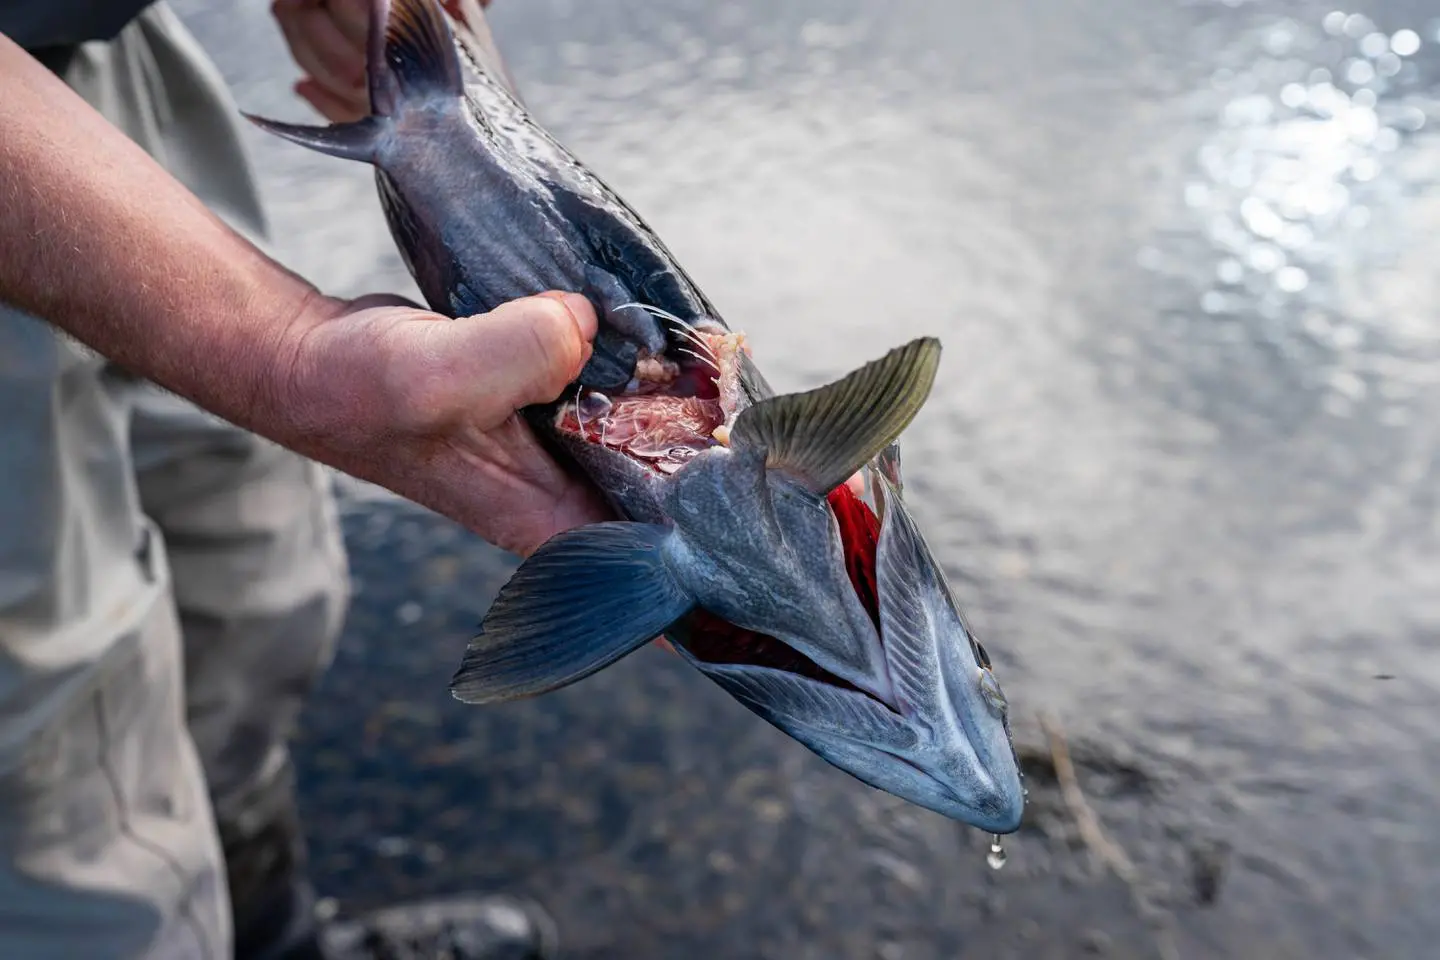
x=991 y=692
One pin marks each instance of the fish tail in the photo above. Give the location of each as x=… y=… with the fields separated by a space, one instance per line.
x=349 y=141
x=412 y=54
x=411 y=58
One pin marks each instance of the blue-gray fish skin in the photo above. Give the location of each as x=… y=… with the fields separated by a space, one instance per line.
x=765 y=535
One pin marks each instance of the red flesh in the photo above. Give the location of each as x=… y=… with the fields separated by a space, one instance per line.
x=859 y=532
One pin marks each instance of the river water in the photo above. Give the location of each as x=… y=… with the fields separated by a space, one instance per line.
x=1180 y=464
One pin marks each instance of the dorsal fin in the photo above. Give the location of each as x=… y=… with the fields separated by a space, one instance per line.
x=821 y=437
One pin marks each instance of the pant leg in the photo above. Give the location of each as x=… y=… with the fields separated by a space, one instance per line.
x=108 y=847
x=107 y=844
x=260 y=578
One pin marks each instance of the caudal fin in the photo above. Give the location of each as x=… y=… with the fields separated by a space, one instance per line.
x=349 y=141
x=411 y=58
x=412 y=54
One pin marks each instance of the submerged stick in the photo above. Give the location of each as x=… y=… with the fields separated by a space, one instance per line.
x=1103 y=850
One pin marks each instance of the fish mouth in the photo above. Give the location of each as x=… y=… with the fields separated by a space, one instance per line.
x=676 y=405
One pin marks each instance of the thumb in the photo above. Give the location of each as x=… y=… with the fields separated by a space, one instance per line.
x=528 y=350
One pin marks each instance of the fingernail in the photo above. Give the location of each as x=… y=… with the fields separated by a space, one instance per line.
x=583 y=311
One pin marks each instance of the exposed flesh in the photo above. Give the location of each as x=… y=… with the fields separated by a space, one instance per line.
x=669 y=411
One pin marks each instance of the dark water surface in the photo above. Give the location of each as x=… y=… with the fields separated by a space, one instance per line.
x=1180 y=464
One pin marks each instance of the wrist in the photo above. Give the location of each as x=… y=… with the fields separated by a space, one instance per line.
x=287 y=398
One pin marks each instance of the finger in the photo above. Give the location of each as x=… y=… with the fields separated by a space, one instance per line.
x=456 y=8
x=530 y=349
x=352 y=18
x=332 y=108
x=319 y=47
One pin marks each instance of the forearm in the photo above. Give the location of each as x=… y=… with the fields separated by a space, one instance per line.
x=100 y=240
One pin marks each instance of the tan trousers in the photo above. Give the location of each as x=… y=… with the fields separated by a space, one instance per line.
x=170 y=588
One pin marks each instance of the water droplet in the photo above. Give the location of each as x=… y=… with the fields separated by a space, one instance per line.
x=996 y=857
x=1278 y=40
x=1229 y=271
x=1334 y=22
x=1374 y=44
x=1359 y=72
x=1265 y=258
x=1295 y=236
x=1262 y=221
x=1357 y=25
x=1410 y=118
x=1361 y=124
x=1405 y=42
x=594 y=404
x=1387 y=64
x=1291 y=279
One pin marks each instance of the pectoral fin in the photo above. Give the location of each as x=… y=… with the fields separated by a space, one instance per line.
x=823 y=436
x=585 y=599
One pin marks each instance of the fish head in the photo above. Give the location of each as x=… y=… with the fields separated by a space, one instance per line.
x=822 y=609
x=926 y=721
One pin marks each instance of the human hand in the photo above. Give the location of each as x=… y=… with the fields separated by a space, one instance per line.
x=327 y=38
x=426 y=407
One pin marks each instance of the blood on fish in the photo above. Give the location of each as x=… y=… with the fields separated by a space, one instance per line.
x=716 y=640
x=859 y=534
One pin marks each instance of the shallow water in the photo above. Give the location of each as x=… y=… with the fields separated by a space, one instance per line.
x=1180 y=461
